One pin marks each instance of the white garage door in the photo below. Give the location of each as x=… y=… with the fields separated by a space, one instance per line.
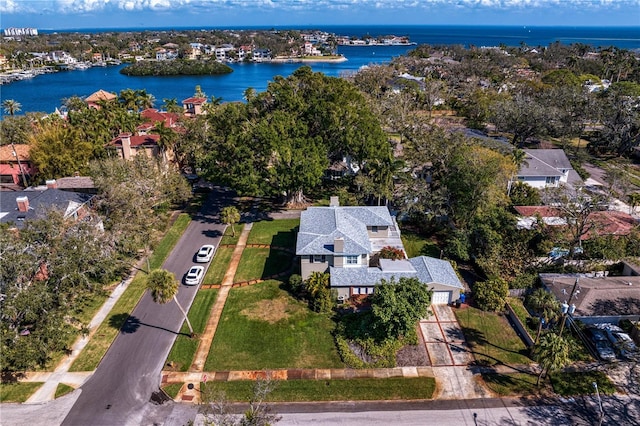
x=441 y=297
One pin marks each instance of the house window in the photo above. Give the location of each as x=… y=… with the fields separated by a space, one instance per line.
x=551 y=180
x=374 y=229
x=316 y=258
x=362 y=290
x=351 y=260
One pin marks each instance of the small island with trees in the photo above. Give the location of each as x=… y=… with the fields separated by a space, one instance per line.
x=175 y=67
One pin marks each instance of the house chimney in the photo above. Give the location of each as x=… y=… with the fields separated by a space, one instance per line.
x=125 y=138
x=334 y=201
x=52 y=184
x=23 y=203
x=338 y=245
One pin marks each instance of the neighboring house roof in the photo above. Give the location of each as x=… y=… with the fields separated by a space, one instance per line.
x=598 y=296
x=427 y=270
x=544 y=162
x=152 y=116
x=100 y=95
x=138 y=140
x=321 y=226
x=22 y=150
x=75 y=182
x=39 y=203
x=610 y=222
x=195 y=101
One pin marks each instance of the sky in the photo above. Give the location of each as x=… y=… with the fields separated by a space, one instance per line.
x=85 y=14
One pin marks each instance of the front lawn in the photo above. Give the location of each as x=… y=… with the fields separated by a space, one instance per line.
x=581 y=383
x=184 y=347
x=263 y=327
x=280 y=233
x=262 y=263
x=17 y=392
x=491 y=337
x=332 y=390
x=219 y=266
x=514 y=384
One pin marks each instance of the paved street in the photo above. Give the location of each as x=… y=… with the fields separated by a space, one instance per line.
x=120 y=389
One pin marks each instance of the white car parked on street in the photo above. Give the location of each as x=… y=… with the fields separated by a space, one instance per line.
x=194 y=276
x=205 y=253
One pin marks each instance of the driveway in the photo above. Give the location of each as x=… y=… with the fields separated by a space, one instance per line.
x=450 y=356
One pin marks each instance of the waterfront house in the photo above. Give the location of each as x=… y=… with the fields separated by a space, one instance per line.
x=346 y=241
x=194 y=106
x=94 y=100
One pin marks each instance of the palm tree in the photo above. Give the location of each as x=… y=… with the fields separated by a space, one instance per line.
x=163 y=287
x=11 y=106
x=230 y=215
x=552 y=354
x=546 y=306
x=171 y=105
x=167 y=140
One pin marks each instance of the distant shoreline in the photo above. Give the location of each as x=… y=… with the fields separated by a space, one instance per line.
x=288 y=60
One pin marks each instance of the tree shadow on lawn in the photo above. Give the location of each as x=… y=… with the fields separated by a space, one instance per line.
x=475 y=337
x=277 y=262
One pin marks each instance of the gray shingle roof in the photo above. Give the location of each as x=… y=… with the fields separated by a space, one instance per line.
x=428 y=270
x=39 y=203
x=544 y=162
x=435 y=271
x=320 y=226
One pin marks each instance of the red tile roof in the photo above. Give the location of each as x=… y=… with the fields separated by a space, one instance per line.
x=197 y=101
x=543 y=211
x=138 y=140
x=100 y=95
x=6 y=153
x=610 y=223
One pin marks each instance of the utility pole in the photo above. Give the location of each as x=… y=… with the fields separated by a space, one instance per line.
x=15 y=154
x=567 y=307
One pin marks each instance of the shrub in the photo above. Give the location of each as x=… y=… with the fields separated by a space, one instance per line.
x=392 y=253
x=491 y=295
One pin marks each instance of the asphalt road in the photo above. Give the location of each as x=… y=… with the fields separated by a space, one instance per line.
x=120 y=390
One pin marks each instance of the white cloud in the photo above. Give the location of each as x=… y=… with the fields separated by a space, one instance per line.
x=83 y=6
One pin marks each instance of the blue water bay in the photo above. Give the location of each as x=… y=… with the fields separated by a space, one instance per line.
x=46 y=92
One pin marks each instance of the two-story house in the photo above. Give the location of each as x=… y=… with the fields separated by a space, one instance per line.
x=344 y=242
x=544 y=168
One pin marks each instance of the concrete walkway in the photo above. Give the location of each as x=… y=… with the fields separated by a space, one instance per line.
x=206 y=339
x=61 y=373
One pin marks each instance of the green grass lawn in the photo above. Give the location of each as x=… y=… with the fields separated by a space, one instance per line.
x=416 y=245
x=229 y=238
x=491 y=337
x=580 y=383
x=93 y=352
x=184 y=348
x=262 y=326
x=172 y=389
x=18 y=392
x=63 y=389
x=219 y=266
x=258 y=263
x=331 y=390
x=281 y=233
x=516 y=384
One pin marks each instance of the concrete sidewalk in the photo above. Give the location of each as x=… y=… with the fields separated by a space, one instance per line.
x=61 y=373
